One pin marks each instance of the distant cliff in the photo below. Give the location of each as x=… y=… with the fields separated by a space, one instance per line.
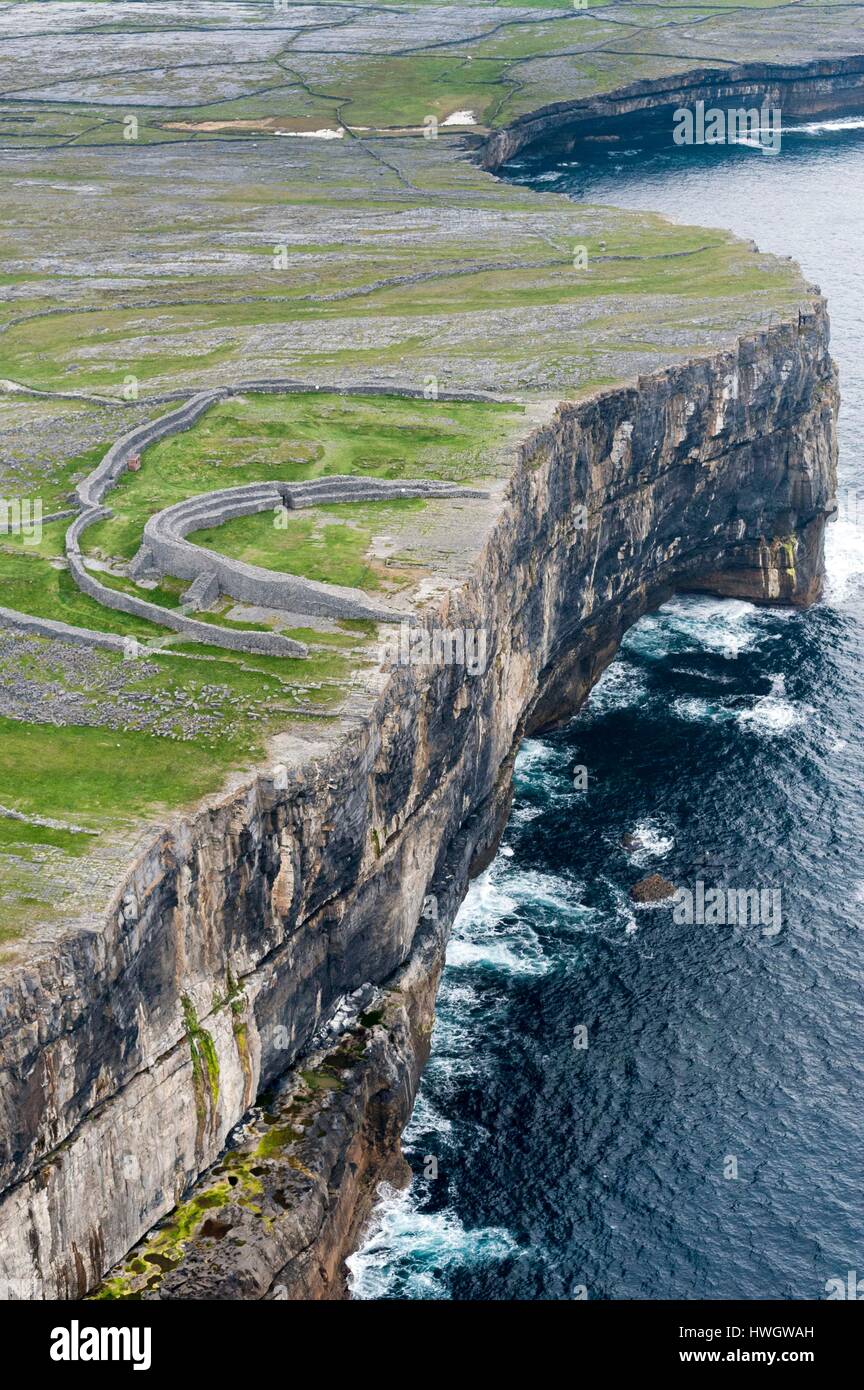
x=823 y=87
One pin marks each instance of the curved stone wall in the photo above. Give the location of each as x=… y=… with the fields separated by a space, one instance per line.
x=165 y=549
x=92 y=489
x=238 y=640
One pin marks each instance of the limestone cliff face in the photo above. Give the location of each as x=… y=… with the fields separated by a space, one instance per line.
x=826 y=87
x=127 y=1056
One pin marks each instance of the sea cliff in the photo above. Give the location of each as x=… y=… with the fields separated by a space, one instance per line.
x=207 y=1059
x=136 y=1050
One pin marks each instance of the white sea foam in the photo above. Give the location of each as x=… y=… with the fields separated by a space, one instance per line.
x=461 y=118
x=771 y=716
x=522 y=957
x=699 y=711
x=425 y=1119
x=623 y=907
x=410 y=1252
x=485 y=902
x=772 y=713
x=459 y=996
x=491 y=929
x=714 y=676
x=548 y=892
x=456 y=1032
x=534 y=756
x=844 y=559
x=693 y=622
x=839 y=123
x=620 y=685
x=650 y=842
x=504 y=889
x=481 y=937
x=539 y=768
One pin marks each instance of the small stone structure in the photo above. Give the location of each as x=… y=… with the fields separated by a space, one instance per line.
x=202 y=593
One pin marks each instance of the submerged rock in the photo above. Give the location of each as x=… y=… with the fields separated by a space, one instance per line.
x=652 y=889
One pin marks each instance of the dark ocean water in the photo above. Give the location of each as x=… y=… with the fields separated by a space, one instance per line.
x=727 y=740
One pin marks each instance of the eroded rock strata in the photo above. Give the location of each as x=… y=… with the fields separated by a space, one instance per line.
x=133 y=1051
x=824 y=88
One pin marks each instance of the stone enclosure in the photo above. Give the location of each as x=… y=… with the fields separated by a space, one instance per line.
x=165 y=550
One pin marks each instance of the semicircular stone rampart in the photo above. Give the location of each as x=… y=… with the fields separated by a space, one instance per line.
x=165 y=549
